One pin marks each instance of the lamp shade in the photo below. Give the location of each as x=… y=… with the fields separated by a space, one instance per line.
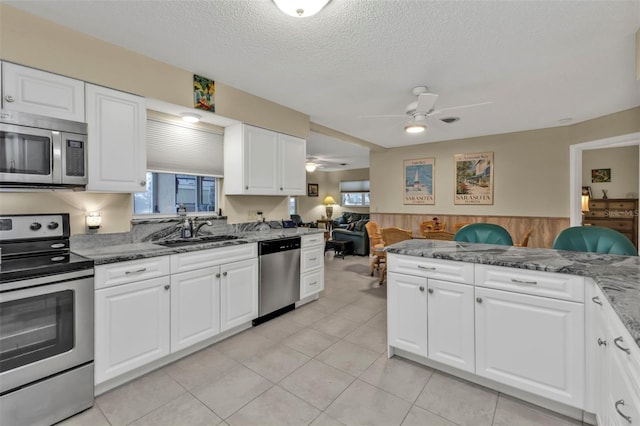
x=328 y=200
x=585 y=203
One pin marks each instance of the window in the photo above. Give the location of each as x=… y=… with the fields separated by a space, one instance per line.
x=184 y=166
x=354 y=193
x=293 y=205
x=166 y=191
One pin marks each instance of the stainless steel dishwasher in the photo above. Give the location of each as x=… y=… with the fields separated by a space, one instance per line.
x=279 y=285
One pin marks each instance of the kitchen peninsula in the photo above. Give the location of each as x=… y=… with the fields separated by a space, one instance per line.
x=551 y=327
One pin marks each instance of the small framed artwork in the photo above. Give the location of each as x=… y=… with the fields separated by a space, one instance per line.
x=312 y=190
x=418 y=181
x=204 y=91
x=473 y=178
x=586 y=190
x=600 y=175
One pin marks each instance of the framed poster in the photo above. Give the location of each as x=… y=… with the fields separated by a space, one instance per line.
x=474 y=178
x=204 y=91
x=419 y=181
x=312 y=190
x=600 y=175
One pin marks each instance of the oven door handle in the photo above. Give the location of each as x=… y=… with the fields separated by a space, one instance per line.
x=50 y=279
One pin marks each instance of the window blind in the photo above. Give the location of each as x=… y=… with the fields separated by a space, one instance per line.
x=354 y=186
x=172 y=148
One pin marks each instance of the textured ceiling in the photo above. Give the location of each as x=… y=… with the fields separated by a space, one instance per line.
x=537 y=61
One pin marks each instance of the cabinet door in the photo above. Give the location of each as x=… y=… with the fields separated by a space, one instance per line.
x=293 y=175
x=39 y=92
x=532 y=343
x=407 y=312
x=622 y=404
x=238 y=293
x=261 y=161
x=117 y=144
x=195 y=307
x=450 y=322
x=132 y=326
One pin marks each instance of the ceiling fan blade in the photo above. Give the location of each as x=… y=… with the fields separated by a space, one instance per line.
x=426 y=101
x=438 y=111
x=382 y=116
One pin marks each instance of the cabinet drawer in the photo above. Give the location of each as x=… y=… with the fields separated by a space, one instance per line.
x=447 y=270
x=597 y=204
x=132 y=271
x=312 y=240
x=311 y=283
x=622 y=344
x=618 y=225
x=546 y=284
x=311 y=259
x=595 y=213
x=622 y=205
x=206 y=258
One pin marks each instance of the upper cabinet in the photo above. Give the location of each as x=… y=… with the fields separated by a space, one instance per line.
x=38 y=92
x=117 y=143
x=263 y=162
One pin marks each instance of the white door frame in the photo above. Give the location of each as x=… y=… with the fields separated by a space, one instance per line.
x=575 y=167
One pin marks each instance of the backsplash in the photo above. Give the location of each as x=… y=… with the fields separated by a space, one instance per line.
x=147 y=230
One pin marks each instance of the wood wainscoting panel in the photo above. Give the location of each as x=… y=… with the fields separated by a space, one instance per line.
x=544 y=229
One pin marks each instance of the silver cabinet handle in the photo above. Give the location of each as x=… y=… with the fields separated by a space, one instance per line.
x=421 y=288
x=430 y=291
x=217 y=275
x=280 y=189
x=596 y=300
x=479 y=299
x=517 y=281
x=426 y=268
x=167 y=287
x=9 y=98
x=622 y=348
x=602 y=342
x=624 y=416
x=246 y=187
x=314 y=258
x=224 y=274
x=139 y=271
x=313 y=283
x=143 y=183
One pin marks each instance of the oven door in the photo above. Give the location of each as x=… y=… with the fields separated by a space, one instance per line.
x=46 y=328
x=29 y=155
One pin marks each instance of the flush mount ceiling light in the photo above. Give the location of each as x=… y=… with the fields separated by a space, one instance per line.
x=301 y=8
x=190 y=117
x=310 y=166
x=417 y=124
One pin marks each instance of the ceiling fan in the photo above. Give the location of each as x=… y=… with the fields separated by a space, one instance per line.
x=314 y=163
x=423 y=108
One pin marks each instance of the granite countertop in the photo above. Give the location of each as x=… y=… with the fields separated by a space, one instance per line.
x=103 y=254
x=617 y=276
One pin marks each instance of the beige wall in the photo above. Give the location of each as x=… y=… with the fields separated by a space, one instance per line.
x=311 y=208
x=623 y=163
x=531 y=174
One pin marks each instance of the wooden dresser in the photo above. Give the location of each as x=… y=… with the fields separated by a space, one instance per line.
x=620 y=214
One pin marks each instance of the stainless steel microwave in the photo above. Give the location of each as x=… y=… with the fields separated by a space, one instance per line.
x=38 y=151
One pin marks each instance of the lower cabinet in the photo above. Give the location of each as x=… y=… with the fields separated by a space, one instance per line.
x=311 y=265
x=531 y=343
x=407 y=312
x=195 y=307
x=142 y=317
x=132 y=326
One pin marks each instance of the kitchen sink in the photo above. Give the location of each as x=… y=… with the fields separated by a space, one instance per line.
x=199 y=240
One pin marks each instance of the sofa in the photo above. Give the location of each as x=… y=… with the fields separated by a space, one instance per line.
x=355 y=231
x=348 y=218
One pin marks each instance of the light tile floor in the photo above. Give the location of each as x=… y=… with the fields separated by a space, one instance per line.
x=322 y=364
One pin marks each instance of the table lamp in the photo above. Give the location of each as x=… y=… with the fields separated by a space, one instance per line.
x=585 y=206
x=329 y=201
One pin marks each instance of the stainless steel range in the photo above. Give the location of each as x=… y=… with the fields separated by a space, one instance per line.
x=46 y=322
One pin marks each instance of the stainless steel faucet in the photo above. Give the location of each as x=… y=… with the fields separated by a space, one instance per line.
x=197 y=228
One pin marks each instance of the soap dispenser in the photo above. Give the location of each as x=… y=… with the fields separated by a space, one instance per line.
x=187 y=231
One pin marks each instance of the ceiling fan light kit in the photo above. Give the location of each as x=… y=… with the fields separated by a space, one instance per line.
x=311 y=167
x=301 y=8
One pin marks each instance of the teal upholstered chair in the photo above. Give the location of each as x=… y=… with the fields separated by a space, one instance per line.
x=594 y=239
x=487 y=233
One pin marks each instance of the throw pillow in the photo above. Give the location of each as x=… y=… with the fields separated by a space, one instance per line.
x=351 y=226
x=360 y=225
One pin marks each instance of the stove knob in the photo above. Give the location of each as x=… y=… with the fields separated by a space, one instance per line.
x=35 y=226
x=53 y=225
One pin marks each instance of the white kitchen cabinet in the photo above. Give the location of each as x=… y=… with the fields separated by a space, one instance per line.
x=38 y=92
x=195 y=307
x=450 y=324
x=311 y=265
x=532 y=343
x=407 y=312
x=238 y=293
x=117 y=144
x=132 y=326
x=263 y=162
